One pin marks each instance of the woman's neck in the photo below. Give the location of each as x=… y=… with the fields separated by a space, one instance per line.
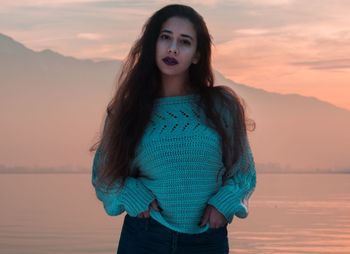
x=174 y=86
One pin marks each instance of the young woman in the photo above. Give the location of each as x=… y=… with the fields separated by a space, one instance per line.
x=174 y=153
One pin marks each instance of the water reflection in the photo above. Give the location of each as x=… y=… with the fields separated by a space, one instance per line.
x=288 y=214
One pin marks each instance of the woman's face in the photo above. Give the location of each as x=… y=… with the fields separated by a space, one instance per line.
x=177 y=40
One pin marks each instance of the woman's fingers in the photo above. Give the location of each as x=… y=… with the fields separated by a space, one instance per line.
x=156 y=206
x=142 y=215
x=146 y=213
x=205 y=217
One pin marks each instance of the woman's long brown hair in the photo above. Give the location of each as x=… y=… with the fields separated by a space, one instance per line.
x=138 y=86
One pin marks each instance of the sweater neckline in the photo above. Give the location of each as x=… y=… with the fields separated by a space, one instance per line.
x=176 y=99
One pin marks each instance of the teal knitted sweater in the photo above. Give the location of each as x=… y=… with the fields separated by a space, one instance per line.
x=182 y=159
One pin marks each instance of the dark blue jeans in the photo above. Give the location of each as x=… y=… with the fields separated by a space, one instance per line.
x=148 y=236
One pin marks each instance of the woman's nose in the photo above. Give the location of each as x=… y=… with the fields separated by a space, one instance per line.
x=173 y=47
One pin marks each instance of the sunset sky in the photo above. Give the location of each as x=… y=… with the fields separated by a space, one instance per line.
x=286 y=46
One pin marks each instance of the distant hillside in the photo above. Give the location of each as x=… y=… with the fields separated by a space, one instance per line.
x=52 y=108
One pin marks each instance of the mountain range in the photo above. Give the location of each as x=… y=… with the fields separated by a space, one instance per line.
x=52 y=107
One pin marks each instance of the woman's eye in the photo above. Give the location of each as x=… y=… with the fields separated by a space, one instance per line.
x=186 y=42
x=164 y=36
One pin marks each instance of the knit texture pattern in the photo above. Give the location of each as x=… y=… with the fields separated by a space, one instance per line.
x=181 y=158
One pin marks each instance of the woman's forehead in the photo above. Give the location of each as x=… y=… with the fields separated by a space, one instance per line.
x=179 y=25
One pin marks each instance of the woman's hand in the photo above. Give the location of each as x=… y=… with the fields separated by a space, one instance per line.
x=214 y=217
x=153 y=205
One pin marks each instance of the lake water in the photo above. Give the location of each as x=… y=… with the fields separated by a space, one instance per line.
x=289 y=213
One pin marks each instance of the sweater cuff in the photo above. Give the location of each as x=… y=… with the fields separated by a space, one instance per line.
x=136 y=197
x=228 y=205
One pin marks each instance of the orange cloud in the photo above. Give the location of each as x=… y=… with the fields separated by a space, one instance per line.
x=309 y=61
x=90 y=36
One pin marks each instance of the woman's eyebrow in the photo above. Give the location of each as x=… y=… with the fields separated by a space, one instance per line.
x=183 y=35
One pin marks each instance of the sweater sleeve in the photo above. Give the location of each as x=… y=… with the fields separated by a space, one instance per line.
x=232 y=198
x=133 y=198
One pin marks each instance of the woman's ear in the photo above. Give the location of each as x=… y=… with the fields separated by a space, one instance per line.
x=196 y=58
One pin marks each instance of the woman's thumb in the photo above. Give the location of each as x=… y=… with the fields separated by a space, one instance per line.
x=156 y=206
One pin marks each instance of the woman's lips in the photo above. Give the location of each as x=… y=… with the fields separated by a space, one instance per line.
x=170 y=61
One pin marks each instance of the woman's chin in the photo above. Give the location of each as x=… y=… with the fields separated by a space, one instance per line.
x=171 y=71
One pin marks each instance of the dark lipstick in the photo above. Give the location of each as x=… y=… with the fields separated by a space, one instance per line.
x=170 y=61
